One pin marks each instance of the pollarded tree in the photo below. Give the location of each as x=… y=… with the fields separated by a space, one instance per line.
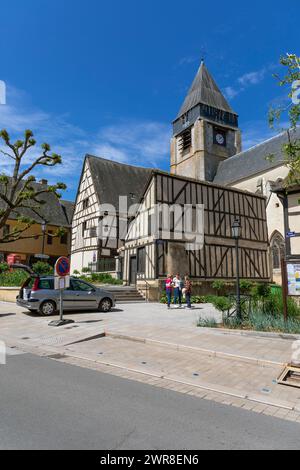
x=21 y=199
x=291 y=112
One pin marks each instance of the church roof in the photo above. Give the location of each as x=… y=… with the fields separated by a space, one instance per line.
x=253 y=161
x=204 y=90
x=112 y=179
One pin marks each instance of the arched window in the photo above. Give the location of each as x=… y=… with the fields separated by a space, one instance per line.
x=277 y=249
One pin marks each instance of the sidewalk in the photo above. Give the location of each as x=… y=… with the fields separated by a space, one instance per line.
x=149 y=343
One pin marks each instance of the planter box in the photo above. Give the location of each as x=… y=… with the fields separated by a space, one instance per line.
x=9 y=294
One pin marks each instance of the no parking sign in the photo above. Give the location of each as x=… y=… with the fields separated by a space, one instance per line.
x=62 y=267
x=61 y=282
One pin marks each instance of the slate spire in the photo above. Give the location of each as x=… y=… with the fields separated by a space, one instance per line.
x=204 y=90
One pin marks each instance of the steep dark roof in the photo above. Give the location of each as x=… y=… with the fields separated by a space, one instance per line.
x=253 y=161
x=68 y=207
x=113 y=179
x=54 y=212
x=204 y=90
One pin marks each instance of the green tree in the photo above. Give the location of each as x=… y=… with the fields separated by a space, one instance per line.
x=18 y=193
x=291 y=81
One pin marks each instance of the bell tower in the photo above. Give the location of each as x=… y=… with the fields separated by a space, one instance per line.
x=205 y=131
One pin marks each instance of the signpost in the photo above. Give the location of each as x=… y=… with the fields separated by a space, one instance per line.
x=61 y=282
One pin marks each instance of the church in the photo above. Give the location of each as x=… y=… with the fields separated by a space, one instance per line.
x=207 y=168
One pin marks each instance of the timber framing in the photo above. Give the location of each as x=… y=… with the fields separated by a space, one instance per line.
x=216 y=260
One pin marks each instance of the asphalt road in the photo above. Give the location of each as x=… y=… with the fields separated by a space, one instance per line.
x=49 y=405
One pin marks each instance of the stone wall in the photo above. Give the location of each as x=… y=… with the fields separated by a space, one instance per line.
x=9 y=294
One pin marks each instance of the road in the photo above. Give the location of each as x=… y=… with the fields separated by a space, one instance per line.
x=49 y=405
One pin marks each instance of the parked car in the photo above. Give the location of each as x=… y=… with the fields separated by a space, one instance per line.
x=39 y=296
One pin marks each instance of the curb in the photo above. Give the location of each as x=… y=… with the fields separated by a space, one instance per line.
x=204 y=386
x=208 y=352
x=253 y=334
x=50 y=352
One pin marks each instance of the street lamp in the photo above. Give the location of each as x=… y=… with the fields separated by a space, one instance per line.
x=236 y=234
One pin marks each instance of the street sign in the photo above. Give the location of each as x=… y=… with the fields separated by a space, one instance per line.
x=61 y=282
x=62 y=267
x=291 y=234
x=46 y=257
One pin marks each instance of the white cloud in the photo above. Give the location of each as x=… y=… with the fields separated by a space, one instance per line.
x=247 y=80
x=144 y=143
x=231 y=92
x=252 y=78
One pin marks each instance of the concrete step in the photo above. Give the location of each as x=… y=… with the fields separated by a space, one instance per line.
x=125 y=294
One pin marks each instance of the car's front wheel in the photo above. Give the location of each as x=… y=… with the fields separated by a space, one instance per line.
x=48 y=308
x=105 y=305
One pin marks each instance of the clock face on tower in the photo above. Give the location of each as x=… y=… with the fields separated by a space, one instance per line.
x=219 y=137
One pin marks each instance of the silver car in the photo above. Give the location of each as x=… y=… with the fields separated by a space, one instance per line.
x=39 y=296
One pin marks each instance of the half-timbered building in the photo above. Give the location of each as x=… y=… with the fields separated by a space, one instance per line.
x=151 y=252
x=97 y=210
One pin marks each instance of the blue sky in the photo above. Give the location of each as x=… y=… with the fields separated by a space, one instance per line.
x=108 y=78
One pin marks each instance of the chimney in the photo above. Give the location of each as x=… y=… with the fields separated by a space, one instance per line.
x=43 y=181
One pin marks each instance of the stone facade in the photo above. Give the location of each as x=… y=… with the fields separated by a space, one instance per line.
x=202 y=159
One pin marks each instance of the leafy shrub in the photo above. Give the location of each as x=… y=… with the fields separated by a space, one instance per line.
x=218 y=285
x=261 y=290
x=76 y=273
x=86 y=270
x=223 y=304
x=4 y=267
x=101 y=279
x=13 y=279
x=208 y=299
x=246 y=286
x=207 y=323
x=273 y=305
x=42 y=269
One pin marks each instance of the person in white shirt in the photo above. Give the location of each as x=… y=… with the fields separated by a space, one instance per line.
x=178 y=284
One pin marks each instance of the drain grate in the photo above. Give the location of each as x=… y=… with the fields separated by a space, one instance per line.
x=290 y=377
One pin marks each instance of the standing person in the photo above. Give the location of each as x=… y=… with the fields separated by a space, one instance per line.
x=169 y=285
x=188 y=291
x=177 y=281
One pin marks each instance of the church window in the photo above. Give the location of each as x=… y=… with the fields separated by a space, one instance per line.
x=277 y=249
